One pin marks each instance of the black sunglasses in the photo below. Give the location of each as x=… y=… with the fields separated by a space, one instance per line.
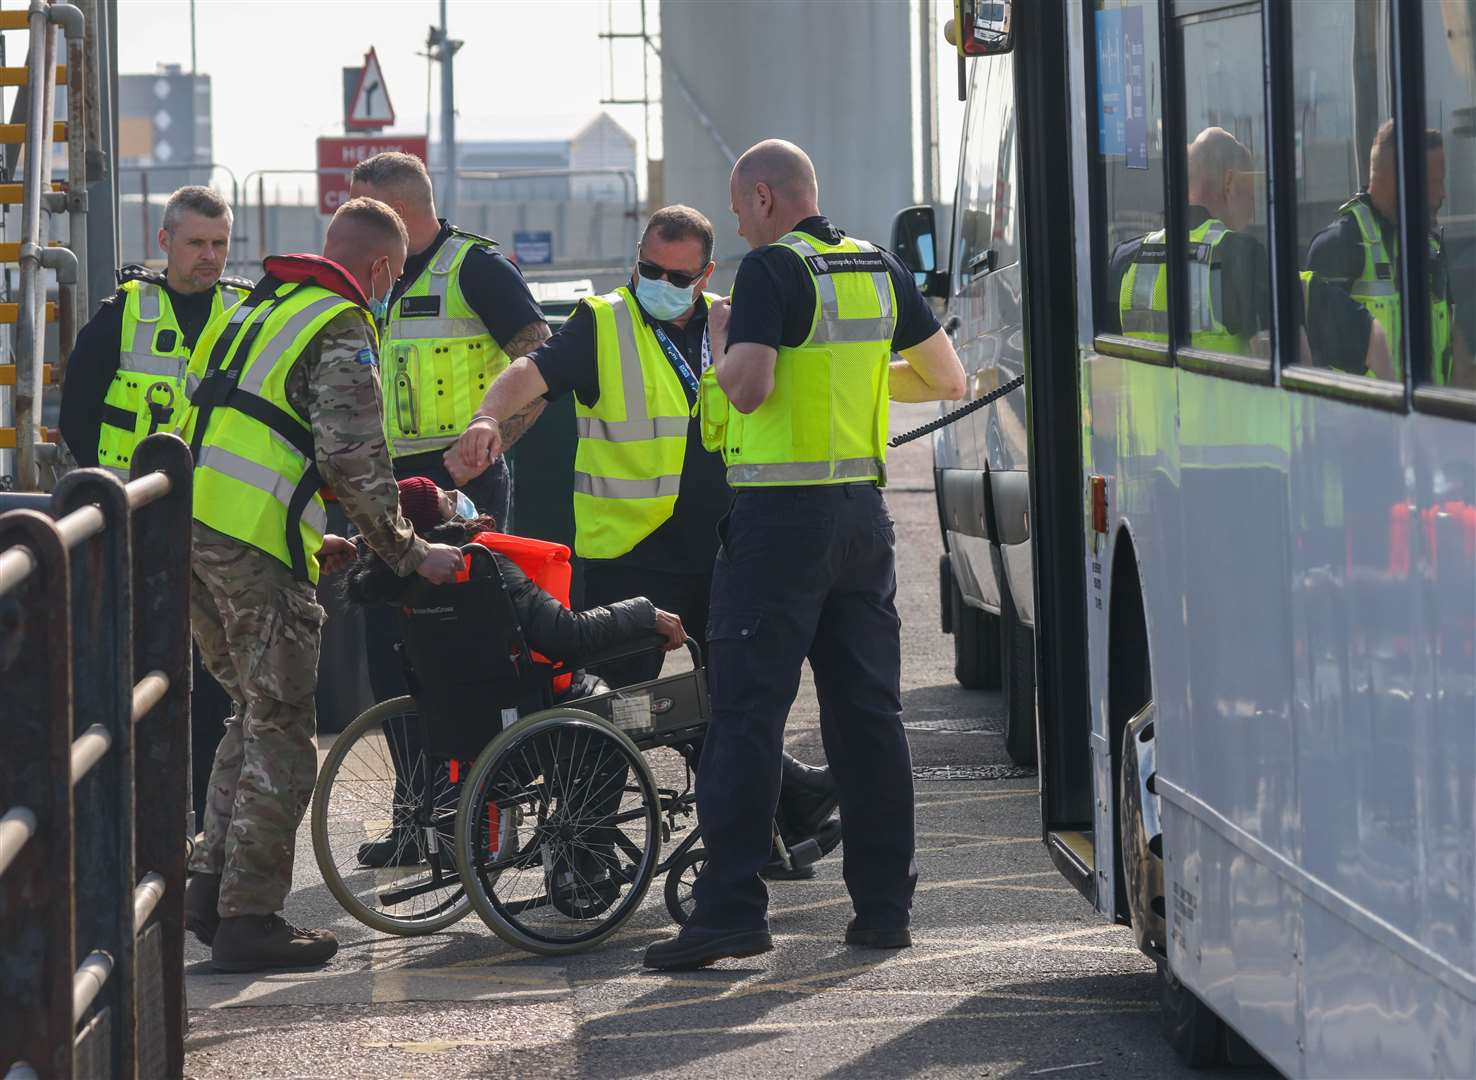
x=678 y=278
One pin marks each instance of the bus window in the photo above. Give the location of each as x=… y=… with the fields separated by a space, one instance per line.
x=1450 y=111
x=1226 y=296
x=1129 y=150
x=1347 y=198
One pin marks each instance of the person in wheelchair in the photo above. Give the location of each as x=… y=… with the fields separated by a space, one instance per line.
x=806 y=810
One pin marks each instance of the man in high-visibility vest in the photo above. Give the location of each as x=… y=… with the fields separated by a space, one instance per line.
x=284 y=401
x=1359 y=254
x=458 y=313
x=1229 y=300
x=125 y=375
x=125 y=380
x=796 y=401
x=648 y=498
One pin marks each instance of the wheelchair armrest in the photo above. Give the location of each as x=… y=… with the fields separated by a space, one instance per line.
x=647 y=643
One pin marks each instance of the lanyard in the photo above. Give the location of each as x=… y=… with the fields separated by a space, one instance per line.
x=678 y=361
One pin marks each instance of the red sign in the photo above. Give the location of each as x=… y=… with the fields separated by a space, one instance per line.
x=338 y=156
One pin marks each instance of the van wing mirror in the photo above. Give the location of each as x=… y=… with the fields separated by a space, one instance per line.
x=981 y=27
x=915 y=243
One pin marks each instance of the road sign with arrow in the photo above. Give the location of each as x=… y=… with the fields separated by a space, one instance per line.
x=368 y=107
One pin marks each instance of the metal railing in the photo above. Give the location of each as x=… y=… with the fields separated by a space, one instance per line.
x=95 y=643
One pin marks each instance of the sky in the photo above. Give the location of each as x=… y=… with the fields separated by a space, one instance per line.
x=276 y=78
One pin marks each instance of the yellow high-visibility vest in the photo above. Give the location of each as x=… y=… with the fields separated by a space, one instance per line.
x=436 y=358
x=256 y=473
x=826 y=420
x=147 y=393
x=1143 y=299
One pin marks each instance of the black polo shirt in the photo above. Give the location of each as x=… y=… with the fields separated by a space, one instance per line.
x=687 y=543
x=774 y=296
x=94 y=362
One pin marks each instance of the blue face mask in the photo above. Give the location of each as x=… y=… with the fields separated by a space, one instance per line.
x=465 y=508
x=379 y=305
x=663 y=299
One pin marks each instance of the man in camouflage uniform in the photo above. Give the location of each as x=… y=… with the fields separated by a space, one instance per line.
x=253 y=609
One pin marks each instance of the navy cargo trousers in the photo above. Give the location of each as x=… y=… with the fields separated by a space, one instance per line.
x=805 y=572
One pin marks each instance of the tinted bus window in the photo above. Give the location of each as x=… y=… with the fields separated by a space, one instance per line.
x=1450 y=110
x=1129 y=158
x=1347 y=197
x=1226 y=293
x=976 y=195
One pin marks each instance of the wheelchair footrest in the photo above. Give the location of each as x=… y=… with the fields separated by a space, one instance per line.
x=805 y=853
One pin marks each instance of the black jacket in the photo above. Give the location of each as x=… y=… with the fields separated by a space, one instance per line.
x=548 y=626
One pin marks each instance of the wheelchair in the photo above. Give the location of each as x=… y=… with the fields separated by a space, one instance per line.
x=546 y=818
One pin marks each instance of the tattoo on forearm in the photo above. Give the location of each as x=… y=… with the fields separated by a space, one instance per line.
x=516 y=425
x=527 y=339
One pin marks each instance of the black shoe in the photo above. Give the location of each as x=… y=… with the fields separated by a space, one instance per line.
x=398 y=847
x=268 y=942
x=696 y=948
x=887 y=937
x=807 y=797
x=828 y=836
x=201 y=902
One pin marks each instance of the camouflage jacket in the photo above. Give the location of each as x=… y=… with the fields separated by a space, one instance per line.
x=335 y=385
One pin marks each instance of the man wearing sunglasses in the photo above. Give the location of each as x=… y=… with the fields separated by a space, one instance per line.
x=647 y=496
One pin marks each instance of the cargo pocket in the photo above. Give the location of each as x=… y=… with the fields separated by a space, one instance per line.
x=733 y=626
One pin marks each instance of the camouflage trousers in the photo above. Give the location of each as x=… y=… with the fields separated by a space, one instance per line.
x=258 y=631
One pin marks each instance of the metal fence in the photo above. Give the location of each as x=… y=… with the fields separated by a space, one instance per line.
x=95 y=662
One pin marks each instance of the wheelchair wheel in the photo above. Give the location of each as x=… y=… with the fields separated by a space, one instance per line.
x=577 y=819
x=373 y=824
x=679 y=881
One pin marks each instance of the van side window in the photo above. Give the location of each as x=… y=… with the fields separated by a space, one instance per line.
x=1347 y=195
x=1225 y=293
x=1450 y=177
x=993 y=88
x=1128 y=158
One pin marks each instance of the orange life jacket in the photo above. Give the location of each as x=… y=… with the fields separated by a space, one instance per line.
x=547 y=566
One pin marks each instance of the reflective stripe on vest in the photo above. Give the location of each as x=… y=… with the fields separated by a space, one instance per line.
x=1377 y=290
x=256 y=475
x=633 y=440
x=436 y=367
x=1143 y=300
x=825 y=422
x=148 y=392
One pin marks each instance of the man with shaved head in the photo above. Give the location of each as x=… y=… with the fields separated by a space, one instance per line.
x=796 y=401
x=284 y=402
x=1229 y=294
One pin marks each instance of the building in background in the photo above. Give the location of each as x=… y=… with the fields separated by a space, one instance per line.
x=586 y=143
x=164 y=134
x=838 y=79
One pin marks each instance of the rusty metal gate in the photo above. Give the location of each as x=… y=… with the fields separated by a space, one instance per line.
x=95 y=669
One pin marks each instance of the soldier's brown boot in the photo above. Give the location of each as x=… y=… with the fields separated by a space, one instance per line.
x=202 y=897
x=268 y=942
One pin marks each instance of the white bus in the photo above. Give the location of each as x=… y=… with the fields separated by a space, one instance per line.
x=1253 y=498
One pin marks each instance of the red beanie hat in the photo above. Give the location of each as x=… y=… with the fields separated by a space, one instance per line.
x=420 y=500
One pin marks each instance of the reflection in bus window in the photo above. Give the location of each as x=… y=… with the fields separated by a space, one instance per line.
x=1450 y=109
x=1347 y=200
x=1226 y=294
x=993 y=87
x=1129 y=160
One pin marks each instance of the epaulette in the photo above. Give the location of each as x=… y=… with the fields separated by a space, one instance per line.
x=139 y=272
x=244 y=284
x=473 y=236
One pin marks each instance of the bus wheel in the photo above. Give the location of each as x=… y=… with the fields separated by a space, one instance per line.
x=1142 y=836
x=1190 y=1026
x=976 y=660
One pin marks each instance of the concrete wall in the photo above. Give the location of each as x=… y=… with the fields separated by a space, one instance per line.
x=836 y=78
